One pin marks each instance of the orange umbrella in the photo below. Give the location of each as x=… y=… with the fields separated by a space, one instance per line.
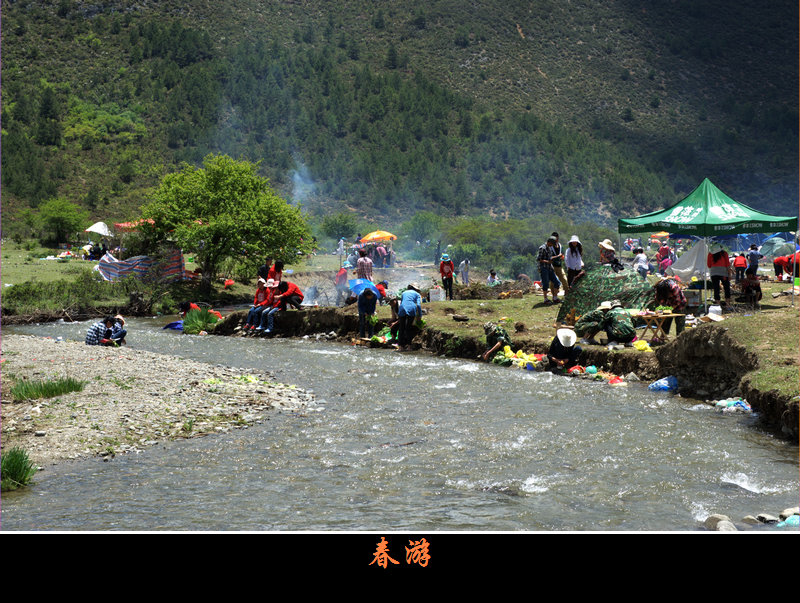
x=378 y=235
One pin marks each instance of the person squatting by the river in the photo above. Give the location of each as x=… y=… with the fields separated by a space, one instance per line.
x=496 y=338
x=563 y=352
x=408 y=310
x=367 y=301
x=108 y=332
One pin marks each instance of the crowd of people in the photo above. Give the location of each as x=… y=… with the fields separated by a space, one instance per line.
x=559 y=267
x=273 y=294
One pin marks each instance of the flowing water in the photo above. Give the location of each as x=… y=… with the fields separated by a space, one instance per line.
x=407 y=442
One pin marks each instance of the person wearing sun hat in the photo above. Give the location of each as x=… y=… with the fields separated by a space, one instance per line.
x=447 y=269
x=563 y=352
x=573 y=259
x=607 y=252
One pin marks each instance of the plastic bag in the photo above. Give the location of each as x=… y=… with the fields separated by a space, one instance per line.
x=667 y=384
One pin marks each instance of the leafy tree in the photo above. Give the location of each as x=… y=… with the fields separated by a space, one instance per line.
x=339 y=225
x=60 y=220
x=225 y=210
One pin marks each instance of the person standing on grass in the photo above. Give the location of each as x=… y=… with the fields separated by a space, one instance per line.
x=739 y=266
x=753 y=256
x=548 y=277
x=573 y=259
x=463 y=270
x=557 y=262
x=447 y=269
x=719 y=267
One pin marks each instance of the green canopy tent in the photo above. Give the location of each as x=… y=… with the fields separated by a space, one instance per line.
x=708 y=212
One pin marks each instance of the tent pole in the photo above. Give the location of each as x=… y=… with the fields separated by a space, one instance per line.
x=794 y=259
x=705 y=279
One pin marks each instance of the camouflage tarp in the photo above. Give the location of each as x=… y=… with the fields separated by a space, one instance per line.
x=600 y=284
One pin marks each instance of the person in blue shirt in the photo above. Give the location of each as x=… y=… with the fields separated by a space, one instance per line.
x=753 y=255
x=409 y=309
x=367 y=301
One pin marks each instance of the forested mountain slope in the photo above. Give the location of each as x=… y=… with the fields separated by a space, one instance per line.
x=591 y=110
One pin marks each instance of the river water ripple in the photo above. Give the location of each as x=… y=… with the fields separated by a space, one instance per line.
x=419 y=443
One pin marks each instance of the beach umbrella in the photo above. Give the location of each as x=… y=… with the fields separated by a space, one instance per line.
x=358 y=285
x=378 y=235
x=101 y=229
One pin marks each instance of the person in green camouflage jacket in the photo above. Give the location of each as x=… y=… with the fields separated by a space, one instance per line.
x=591 y=323
x=618 y=324
x=496 y=338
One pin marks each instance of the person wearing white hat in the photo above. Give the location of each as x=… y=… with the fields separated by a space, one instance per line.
x=563 y=352
x=573 y=259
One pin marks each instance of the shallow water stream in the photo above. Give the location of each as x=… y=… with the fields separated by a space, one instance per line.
x=416 y=442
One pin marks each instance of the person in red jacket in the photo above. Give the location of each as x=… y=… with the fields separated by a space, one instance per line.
x=286 y=294
x=739 y=266
x=342 y=288
x=783 y=263
x=447 y=269
x=719 y=267
x=276 y=272
x=262 y=301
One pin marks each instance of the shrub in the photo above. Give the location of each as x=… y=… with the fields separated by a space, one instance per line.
x=198 y=320
x=16 y=469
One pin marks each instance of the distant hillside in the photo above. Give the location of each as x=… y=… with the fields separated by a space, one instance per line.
x=590 y=110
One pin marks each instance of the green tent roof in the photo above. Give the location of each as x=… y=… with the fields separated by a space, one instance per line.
x=707 y=212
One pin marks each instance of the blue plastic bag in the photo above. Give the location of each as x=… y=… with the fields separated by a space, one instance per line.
x=667 y=384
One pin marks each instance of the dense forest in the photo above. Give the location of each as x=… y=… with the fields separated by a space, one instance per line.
x=374 y=111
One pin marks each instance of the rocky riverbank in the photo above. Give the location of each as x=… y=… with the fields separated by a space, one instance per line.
x=132 y=399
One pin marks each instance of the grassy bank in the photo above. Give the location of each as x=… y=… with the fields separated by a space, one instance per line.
x=770 y=332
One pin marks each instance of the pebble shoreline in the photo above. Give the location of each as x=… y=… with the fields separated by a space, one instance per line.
x=132 y=399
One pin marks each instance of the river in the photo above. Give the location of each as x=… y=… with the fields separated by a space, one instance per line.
x=413 y=442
